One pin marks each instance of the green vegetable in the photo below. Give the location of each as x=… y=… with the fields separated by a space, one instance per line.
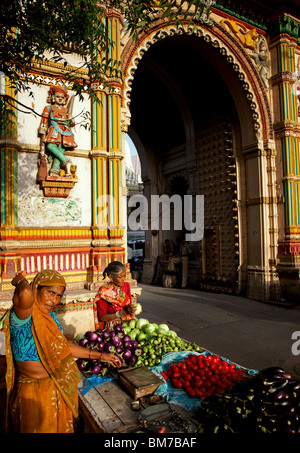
x=132 y=323
x=161 y=331
x=164 y=326
x=133 y=333
x=141 y=322
x=172 y=333
x=148 y=328
x=141 y=336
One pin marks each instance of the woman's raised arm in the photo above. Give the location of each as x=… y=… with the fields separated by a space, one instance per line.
x=23 y=297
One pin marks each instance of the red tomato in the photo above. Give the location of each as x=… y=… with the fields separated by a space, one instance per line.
x=187 y=376
x=176 y=375
x=200 y=362
x=199 y=383
x=198 y=393
x=177 y=384
x=191 y=392
x=208 y=373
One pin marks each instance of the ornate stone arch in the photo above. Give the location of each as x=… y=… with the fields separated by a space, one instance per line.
x=229 y=47
x=257 y=144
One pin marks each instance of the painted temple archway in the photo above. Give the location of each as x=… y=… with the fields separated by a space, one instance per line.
x=235 y=144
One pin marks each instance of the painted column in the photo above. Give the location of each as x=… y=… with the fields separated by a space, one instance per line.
x=115 y=153
x=8 y=181
x=286 y=128
x=107 y=158
x=99 y=171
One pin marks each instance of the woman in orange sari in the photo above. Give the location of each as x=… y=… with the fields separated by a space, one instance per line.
x=112 y=304
x=42 y=375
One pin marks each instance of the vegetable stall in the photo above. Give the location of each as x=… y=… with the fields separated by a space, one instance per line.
x=167 y=384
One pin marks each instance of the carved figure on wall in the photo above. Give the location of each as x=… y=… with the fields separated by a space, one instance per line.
x=55 y=129
x=260 y=56
x=254 y=44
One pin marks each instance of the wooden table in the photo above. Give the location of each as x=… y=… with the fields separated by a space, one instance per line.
x=106 y=408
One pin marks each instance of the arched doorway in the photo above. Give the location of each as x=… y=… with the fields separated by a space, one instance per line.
x=195 y=107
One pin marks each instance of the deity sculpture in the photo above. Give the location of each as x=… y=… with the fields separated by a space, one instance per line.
x=55 y=129
x=261 y=58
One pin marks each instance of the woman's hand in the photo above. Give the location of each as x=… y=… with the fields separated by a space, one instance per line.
x=113 y=359
x=129 y=309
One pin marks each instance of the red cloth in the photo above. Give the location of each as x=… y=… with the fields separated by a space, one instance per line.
x=104 y=306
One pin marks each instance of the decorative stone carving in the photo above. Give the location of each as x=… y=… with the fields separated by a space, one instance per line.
x=57 y=174
x=254 y=43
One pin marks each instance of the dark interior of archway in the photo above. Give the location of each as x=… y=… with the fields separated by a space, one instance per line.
x=178 y=89
x=155 y=103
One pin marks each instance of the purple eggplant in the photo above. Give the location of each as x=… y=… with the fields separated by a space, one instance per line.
x=116 y=341
x=126 y=338
x=119 y=328
x=91 y=336
x=126 y=354
x=109 y=347
x=105 y=335
x=83 y=342
x=100 y=345
x=96 y=369
x=81 y=364
x=119 y=349
x=134 y=344
x=131 y=361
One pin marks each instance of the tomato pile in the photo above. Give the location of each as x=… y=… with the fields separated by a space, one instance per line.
x=201 y=376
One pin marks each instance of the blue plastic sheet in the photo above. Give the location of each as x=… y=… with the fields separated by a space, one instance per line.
x=179 y=396
x=89 y=383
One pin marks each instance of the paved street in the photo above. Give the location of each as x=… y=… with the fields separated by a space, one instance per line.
x=251 y=333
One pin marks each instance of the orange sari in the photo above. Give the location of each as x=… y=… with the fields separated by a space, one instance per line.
x=43 y=405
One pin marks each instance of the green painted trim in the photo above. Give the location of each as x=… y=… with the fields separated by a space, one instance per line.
x=15 y=188
x=95 y=171
x=94 y=125
x=111 y=124
x=3 y=216
x=290 y=202
x=297 y=202
x=112 y=197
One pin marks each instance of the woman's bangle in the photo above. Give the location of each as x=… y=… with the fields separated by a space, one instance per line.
x=22 y=309
x=118 y=314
